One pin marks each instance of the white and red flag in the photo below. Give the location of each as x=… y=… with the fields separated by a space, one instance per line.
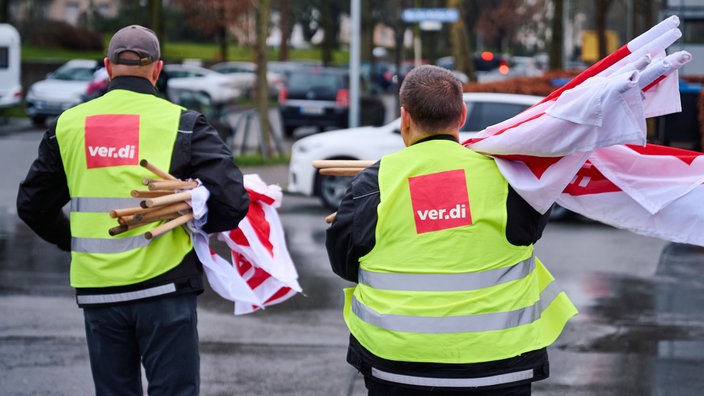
x=259 y=251
x=584 y=146
x=261 y=272
x=653 y=190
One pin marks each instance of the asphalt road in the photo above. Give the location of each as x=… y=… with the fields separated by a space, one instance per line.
x=640 y=330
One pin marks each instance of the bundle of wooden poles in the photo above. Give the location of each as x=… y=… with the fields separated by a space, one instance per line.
x=164 y=199
x=340 y=168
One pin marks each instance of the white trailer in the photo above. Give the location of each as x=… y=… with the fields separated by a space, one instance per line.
x=10 y=83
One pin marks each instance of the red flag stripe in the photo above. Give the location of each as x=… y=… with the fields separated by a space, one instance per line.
x=589 y=180
x=686 y=156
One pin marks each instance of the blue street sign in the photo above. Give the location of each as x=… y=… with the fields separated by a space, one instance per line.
x=430 y=14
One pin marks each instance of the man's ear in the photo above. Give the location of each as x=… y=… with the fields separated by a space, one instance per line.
x=157 y=70
x=405 y=119
x=405 y=126
x=108 y=67
x=464 y=115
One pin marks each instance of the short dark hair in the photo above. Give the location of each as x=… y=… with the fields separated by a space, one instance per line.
x=432 y=96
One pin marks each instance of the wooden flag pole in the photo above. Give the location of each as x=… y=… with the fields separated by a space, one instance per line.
x=155 y=170
x=168 y=226
x=340 y=168
x=319 y=164
x=340 y=171
x=166 y=199
x=161 y=202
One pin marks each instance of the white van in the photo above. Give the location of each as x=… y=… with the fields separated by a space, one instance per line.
x=10 y=83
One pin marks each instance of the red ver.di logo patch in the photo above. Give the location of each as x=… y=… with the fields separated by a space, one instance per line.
x=440 y=201
x=112 y=140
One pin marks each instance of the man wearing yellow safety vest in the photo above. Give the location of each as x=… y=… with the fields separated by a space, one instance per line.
x=138 y=295
x=449 y=296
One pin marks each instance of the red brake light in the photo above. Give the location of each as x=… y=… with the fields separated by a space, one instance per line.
x=283 y=95
x=487 y=56
x=343 y=98
x=503 y=66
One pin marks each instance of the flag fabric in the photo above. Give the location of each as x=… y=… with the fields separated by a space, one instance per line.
x=259 y=250
x=261 y=272
x=651 y=44
x=584 y=146
x=660 y=194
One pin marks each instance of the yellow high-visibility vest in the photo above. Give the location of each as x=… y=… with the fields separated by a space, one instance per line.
x=442 y=284
x=101 y=143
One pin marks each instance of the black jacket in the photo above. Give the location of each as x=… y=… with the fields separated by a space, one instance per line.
x=200 y=154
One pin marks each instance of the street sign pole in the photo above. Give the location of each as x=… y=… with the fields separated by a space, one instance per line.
x=355 y=63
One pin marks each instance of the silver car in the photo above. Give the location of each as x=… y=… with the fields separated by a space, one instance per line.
x=62 y=89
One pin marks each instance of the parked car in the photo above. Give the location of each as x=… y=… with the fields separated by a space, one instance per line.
x=524 y=66
x=62 y=89
x=219 y=87
x=247 y=71
x=487 y=66
x=380 y=76
x=371 y=143
x=319 y=97
x=285 y=68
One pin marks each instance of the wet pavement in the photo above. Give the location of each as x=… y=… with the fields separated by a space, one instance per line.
x=640 y=330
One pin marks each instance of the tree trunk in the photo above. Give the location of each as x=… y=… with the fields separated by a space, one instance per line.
x=262 y=87
x=648 y=15
x=366 y=42
x=462 y=37
x=156 y=12
x=556 y=41
x=399 y=30
x=600 y=21
x=327 y=33
x=285 y=28
x=222 y=42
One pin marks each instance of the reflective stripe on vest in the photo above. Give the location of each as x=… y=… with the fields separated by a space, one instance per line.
x=446 y=282
x=105 y=245
x=82 y=204
x=453 y=382
x=126 y=296
x=457 y=324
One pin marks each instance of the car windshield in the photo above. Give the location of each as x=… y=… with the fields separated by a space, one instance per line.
x=235 y=69
x=71 y=73
x=318 y=82
x=484 y=114
x=181 y=73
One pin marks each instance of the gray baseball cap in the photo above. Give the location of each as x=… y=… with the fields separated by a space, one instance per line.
x=137 y=39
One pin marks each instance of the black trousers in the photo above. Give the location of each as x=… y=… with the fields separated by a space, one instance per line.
x=161 y=335
x=377 y=388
